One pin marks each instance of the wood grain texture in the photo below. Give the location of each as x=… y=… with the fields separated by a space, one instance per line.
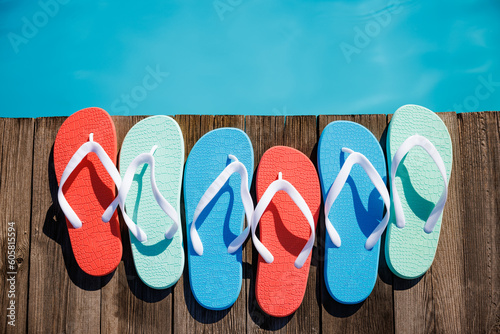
x=127 y=304
x=62 y=298
x=375 y=314
x=480 y=166
x=189 y=316
x=298 y=132
x=184 y=302
x=448 y=269
x=15 y=207
x=440 y=298
x=413 y=304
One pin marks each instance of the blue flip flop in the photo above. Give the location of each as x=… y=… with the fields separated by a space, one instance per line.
x=352 y=173
x=215 y=202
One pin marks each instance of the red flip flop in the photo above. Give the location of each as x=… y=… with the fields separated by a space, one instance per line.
x=289 y=196
x=85 y=152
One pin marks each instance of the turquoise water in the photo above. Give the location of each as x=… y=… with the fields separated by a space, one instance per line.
x=248 y=56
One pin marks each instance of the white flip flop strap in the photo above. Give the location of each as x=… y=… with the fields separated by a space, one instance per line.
x=338 y=184
x=144 y=158
x=273 y=188
x=212 y=191
x=408 y=144
x=75 y=160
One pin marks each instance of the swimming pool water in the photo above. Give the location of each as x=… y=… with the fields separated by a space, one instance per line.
x=251 y=57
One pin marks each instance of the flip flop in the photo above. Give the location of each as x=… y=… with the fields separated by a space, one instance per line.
x=287 y=228
x=151 y=161
x=419 y=187
x=352 y=167
x=84 y=162
x=215 y=202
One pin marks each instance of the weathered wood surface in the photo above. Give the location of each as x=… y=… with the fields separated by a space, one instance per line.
x=480 y=169
x=189 y=316
x=459 y=294
x=125 y=296
x=15 y=207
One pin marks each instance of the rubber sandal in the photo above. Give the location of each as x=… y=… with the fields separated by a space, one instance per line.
x=151 y=161
x=84 y=162
x=419 y=154
x=215 y=202
x=352 y=170
x=287 y=228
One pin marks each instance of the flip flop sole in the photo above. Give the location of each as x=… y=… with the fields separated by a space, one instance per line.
x=280 y=286
x=159 y=261
x=350 y=270
x=89 y=190
x=410 y=250
x=216 y=276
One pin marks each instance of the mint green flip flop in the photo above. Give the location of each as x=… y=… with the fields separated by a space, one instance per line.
x=419 y=153
x=151 y=165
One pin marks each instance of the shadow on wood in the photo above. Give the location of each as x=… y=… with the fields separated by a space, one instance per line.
x=198 y=312
x=337 y=309
x=405 y=284
x=384 y=273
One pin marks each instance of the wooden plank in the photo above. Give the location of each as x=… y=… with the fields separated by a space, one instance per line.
x=15 y=210
x=436 y=302
x=413 y=306
x=375 y=314
x=62 y=298
x=189 y=316
x=480 y=166
x=191 y=130
x=264 y=133
x=301 y=133
x=128 y=305
x=448 y=273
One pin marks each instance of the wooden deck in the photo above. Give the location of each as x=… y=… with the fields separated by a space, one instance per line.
x=459 y=294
